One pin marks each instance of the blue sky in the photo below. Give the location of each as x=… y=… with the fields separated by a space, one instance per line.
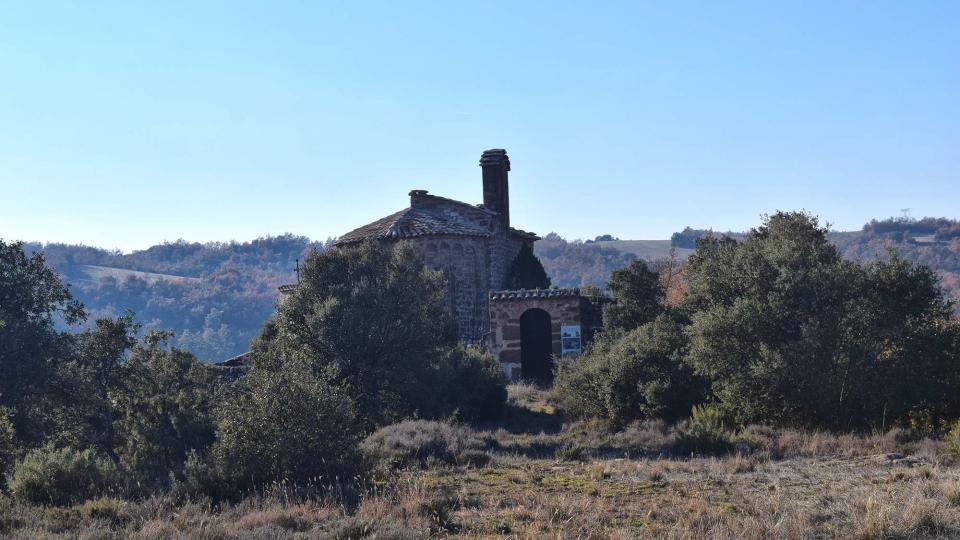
x=125 y=124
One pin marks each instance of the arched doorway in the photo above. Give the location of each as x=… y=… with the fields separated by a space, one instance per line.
x=536 y=345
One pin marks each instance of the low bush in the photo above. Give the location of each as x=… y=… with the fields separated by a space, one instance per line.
x=418 y=442
x=62 y=476
x=476 y=458
x=474 y=385
x=704 y=433
x=571 y=451
x=281 y=423
x=201 y=478
x=629 y=377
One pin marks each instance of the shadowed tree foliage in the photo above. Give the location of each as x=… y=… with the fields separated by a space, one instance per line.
x=163 y=400
x=32 y=298
x=637 y=297
x=366 y=340
x=375 y=323
x=80 y=407
x=526 y=271
x=789 y=333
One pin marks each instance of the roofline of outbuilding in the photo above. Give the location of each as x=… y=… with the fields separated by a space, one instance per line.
x=522 y=294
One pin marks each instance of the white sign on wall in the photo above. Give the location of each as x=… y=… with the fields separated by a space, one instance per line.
x=570 y=340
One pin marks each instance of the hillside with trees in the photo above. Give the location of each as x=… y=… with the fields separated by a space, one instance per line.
x=215 y=296
x=934 y=242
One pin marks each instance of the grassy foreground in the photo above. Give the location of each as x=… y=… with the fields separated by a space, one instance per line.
x=546 y=479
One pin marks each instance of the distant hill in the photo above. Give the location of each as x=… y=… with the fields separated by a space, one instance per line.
x=931 y=241
x=216 y=296
x=575 y=263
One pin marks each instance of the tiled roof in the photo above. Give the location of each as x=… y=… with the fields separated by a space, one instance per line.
x=414 y=222
x=533 y=293
x=438 y=216
x=524 y=234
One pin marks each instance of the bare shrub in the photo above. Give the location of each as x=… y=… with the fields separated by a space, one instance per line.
x=736 y=464
x=653 y=437
x=294 y=517
x=520 y=392
x=792 y=443
x=417 y=442
x=886 y=516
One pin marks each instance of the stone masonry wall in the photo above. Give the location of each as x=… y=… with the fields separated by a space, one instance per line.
x=503 y=250
x=465 y=262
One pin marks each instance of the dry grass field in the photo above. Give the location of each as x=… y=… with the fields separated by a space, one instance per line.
x=550 y=480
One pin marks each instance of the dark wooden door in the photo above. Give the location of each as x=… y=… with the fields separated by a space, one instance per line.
x=536 y=346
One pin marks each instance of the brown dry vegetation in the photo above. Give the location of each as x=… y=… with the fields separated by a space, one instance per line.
x=578 y=481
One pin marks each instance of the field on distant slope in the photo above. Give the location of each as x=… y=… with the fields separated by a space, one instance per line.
x=93 y=274
x=547 y=479
x=648 y=250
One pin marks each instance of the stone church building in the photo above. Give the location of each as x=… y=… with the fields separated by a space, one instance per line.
x=473 y=245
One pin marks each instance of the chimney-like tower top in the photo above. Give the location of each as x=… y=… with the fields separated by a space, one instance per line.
x=495 y=156
x=417 y=197
x=496 y=192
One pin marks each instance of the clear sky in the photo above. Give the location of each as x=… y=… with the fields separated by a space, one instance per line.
x=129 y=123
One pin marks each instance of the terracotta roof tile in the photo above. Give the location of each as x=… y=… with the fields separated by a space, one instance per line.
x=436 y=216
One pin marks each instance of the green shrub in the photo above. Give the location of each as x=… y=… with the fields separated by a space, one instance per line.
x=474 y=384
x=637 y=297
x=629 y=377
x=417 y=442
x=705 y=432
x=782 y=325
x=283 y=423
x=62 y=476
x=951 y=441
x=376 y=324
x=201 y=478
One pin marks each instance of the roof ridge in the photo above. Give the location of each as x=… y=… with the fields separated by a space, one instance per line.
x=479 y=207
